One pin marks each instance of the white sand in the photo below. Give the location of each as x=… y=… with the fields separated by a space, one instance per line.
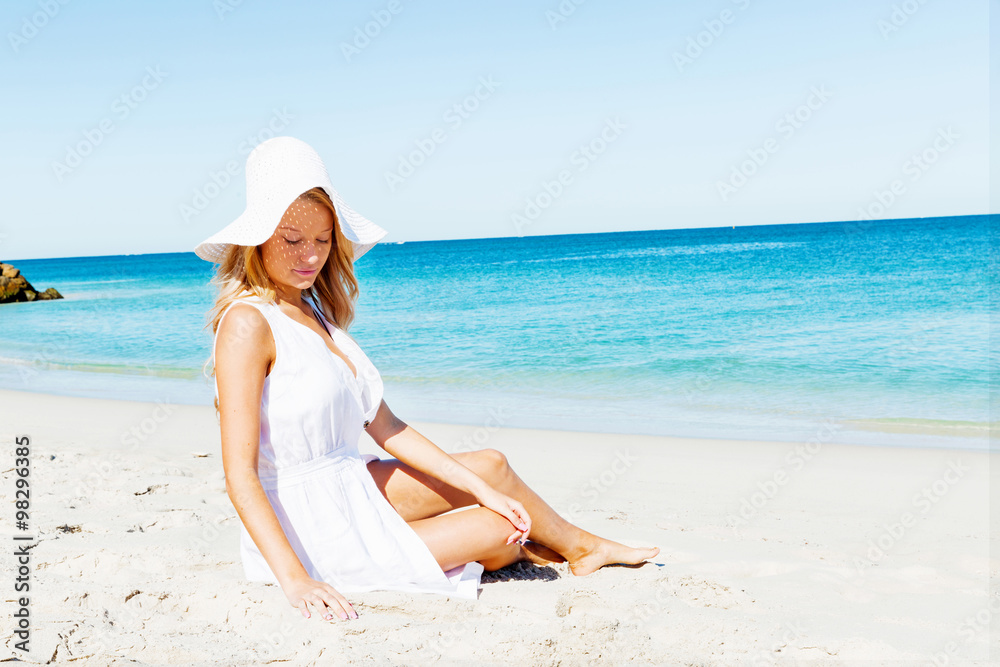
x=137 y=558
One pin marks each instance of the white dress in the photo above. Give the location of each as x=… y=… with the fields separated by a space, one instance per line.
x=343 y=530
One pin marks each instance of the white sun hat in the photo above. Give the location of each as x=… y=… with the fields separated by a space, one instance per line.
x=278 y=171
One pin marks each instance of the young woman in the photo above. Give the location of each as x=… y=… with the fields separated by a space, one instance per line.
x=293 y=393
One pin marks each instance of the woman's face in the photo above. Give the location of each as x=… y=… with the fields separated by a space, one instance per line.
x=299 y=247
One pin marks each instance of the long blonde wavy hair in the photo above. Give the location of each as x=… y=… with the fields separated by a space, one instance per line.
x=334 y=291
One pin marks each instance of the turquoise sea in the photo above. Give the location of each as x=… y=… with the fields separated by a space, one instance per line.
x=877 y=332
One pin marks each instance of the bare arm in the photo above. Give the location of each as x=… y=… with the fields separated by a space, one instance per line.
x=244 y=353
x=406 y=444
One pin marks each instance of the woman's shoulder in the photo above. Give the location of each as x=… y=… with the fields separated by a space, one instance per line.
x=248 y=298
x=243 y=343
x=244 y=323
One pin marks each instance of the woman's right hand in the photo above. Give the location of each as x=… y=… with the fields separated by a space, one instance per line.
x=324 y=597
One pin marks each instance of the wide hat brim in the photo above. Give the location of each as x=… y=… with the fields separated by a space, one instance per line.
x=278 y=171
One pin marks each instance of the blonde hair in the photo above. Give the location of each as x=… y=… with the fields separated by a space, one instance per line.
x=334 y=291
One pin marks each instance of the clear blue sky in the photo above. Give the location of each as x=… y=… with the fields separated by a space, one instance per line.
x=676 y=121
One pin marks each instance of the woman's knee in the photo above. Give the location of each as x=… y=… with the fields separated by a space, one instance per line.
x=491 y=464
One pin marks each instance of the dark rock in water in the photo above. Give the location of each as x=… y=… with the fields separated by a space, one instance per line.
x=15 y=287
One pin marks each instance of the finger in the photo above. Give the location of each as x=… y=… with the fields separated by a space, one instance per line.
x=323 y=607
x=303 y=608
x=341 y=609
x=524 y=521
x=515 y=519
x=348 y=607
x=339 y=604
x=312 y=600
x=517 y=509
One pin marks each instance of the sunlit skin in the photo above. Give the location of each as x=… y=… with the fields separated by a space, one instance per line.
x=422 y=484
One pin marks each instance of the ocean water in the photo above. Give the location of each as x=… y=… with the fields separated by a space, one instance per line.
x=870 y=333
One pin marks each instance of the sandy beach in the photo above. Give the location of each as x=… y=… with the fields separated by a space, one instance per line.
x=771 y=553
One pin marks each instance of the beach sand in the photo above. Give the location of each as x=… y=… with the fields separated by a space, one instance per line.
x=771 y=553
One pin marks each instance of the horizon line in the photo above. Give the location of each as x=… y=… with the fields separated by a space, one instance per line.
x=487 y=238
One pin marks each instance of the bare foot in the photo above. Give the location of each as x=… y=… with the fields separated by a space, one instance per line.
x=538 y=554
x=605 y=552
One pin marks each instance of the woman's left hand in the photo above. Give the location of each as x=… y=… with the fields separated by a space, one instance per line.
x=510 y=509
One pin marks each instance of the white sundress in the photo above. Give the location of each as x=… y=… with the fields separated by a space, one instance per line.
x=343 y=530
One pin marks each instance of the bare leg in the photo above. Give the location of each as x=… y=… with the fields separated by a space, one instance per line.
x=483 y=534
x=418 y=496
